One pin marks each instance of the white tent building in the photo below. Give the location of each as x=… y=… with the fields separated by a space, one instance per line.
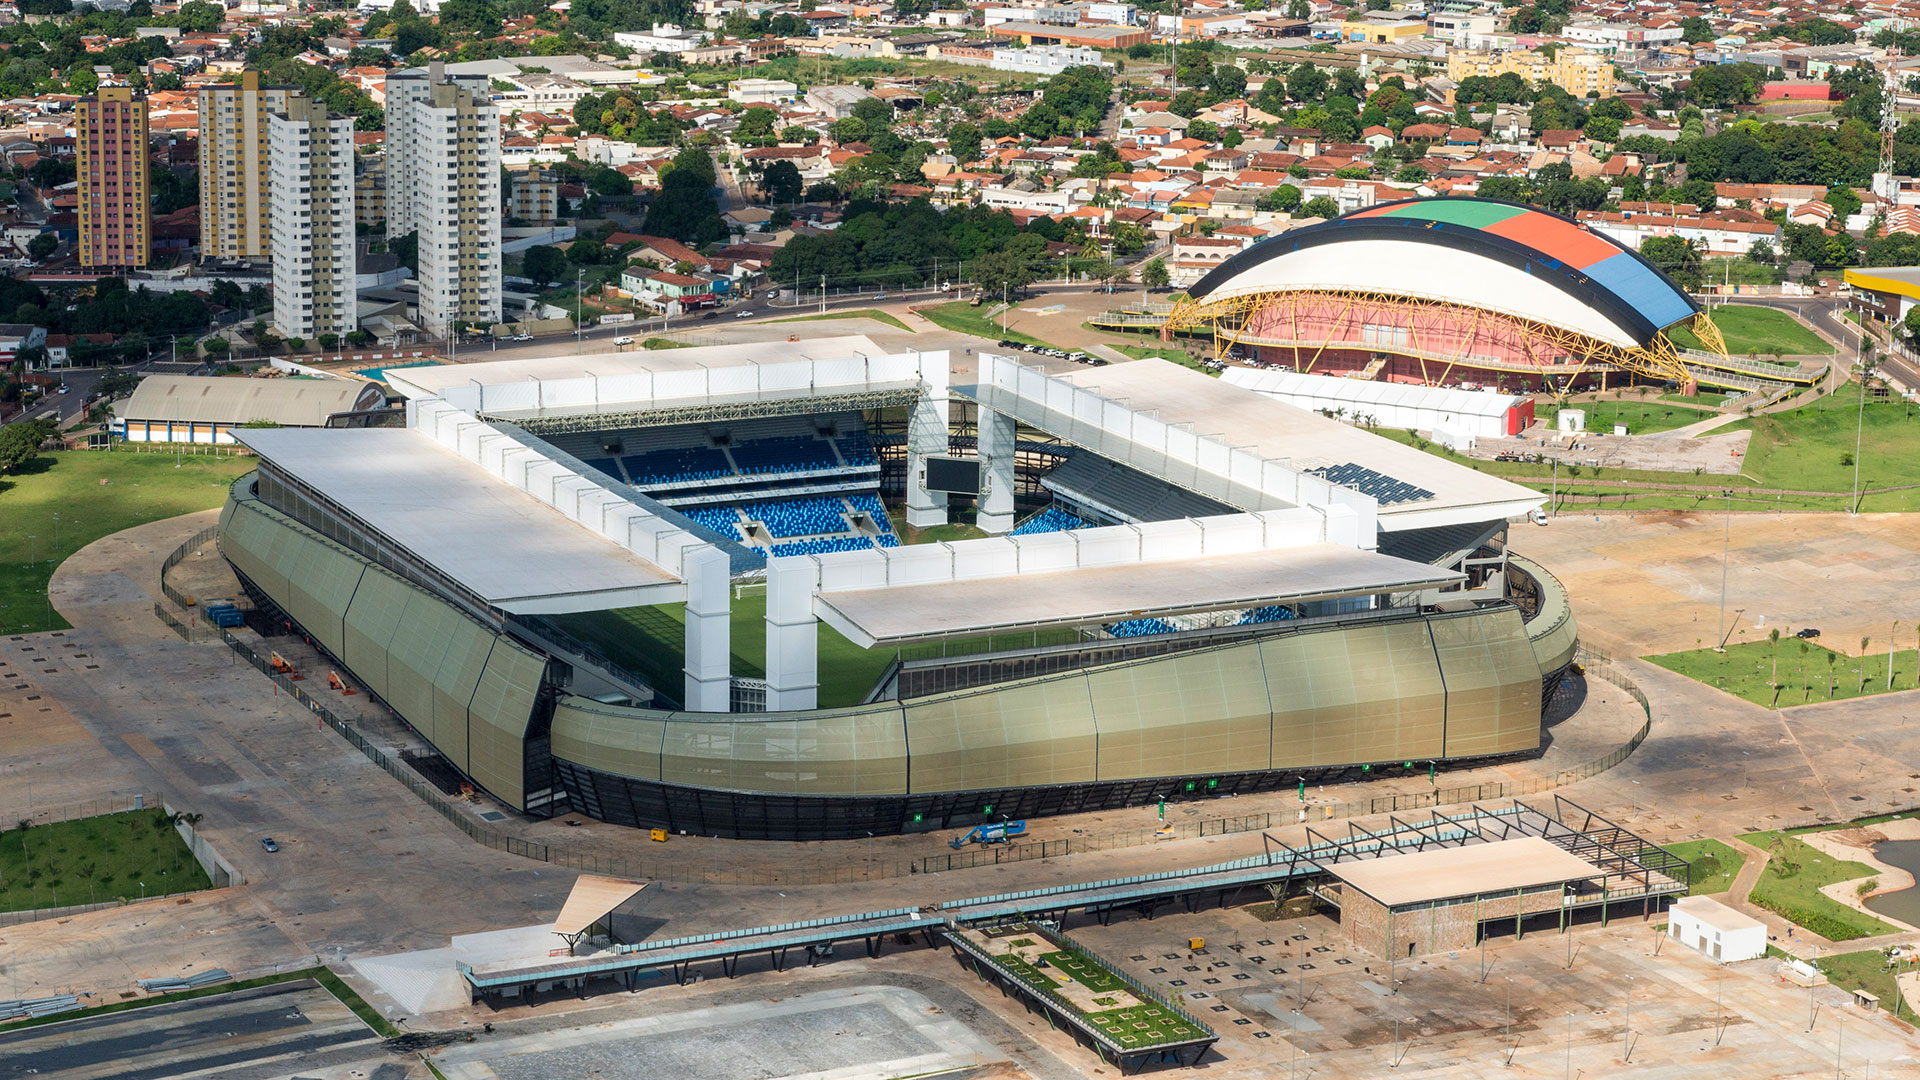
x=1479 y=413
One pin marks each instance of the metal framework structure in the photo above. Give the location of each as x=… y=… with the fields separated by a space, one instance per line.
x=1643 y=868
x=1229 y=320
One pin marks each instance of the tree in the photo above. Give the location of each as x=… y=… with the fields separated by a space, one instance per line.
x=781 y=182
x=1675 y=255
x=999 y=271
x=1284 y=198
x=1321 y=207
x=544 y=264
x=41 y=247
x=850 y=130
x=685 y=208
x=963 y=141
x=20 y=442
x=1154 y=275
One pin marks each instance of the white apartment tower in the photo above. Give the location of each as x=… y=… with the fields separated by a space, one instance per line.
x=311 y=209
x=443 y=183
x=233 y=165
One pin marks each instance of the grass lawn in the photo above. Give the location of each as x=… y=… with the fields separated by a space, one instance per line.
x=1706 y=399
x=1811 y=448
x=963 y=318
x=1868 y=970
x=1715 y=865
x=651 y=642
x=1641 y=417
x=1750 y=330
x=863 y=313
x=938 y=534
x=64 y=501
x=1808 y=672
x=1132 y=1025
x=1172 y=352
x=1808 y=449
x=366 y=1012
x=90 y=860
x=1790 y=888
x=665 y=343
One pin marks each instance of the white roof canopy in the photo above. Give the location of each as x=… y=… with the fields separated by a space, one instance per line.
x=502 y=545
x=1087 y=595
x=1236 y=445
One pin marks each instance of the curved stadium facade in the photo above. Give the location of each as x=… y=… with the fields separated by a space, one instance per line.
x=1425 y=290
x=667 y=589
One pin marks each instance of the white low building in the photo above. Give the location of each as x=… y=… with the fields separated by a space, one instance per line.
x=1046 y=59
x=1716 y=931
x=664 y=38
x=761 y=91
x=1479 y=413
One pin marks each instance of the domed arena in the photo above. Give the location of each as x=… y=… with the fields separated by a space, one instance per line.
x=1440 y=290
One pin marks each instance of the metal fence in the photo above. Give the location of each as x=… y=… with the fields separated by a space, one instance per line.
x=179 y=555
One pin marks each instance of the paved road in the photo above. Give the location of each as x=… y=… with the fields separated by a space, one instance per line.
x=238 y=1036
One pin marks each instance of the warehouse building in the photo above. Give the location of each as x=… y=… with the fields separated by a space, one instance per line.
x=204 y=409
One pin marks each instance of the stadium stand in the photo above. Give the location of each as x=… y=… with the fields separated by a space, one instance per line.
x=724 y=520
x=1266 y=614
x=1052 y=519
x=1111 y=488
x=784 y=455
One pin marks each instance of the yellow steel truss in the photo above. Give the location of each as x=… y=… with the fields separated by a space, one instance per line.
x=1227 y=318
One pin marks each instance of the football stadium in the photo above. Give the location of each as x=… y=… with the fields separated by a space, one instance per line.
x=1437 y=291
x=729 y=590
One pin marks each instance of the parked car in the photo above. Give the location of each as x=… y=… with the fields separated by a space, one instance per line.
x=1506 y=456
x=623 y=341
x=1537 y=516
x=270 y=844
x=1807 y=632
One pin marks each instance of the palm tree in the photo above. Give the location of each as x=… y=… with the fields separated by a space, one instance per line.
x=1864 y=642
x=1773 y=646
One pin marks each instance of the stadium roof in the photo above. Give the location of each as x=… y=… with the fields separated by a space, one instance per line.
x=609 y=390
x=905 y=613
x=500 y=544
x=1502 y=257
x=434 y=381
x=1301 y=440
x=203 y=399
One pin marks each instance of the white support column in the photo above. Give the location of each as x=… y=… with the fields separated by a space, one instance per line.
x=793 y=636
x=927 y=431
x=996 y=472
x=709 y=676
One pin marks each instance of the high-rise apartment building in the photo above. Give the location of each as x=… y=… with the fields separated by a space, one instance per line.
x=233 y=165
x=443 y=184
x=116 y=224
x=310 y=212
x=406 y=94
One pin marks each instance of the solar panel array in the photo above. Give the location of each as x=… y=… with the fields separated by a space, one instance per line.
x=1385 y=489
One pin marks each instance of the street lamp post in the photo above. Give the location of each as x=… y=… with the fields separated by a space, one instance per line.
x=579 y=312
x=1726 y=544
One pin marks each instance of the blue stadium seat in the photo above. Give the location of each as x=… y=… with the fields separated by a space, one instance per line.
x=856 y=450
x=784 y=455
x=799 y=517
x=608 y=466
x=1141 y=628
x=873 y=508
x=1052 y=519
x=824 y=547
x=721 y=519
x=665 y=468
x=1265 y=614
